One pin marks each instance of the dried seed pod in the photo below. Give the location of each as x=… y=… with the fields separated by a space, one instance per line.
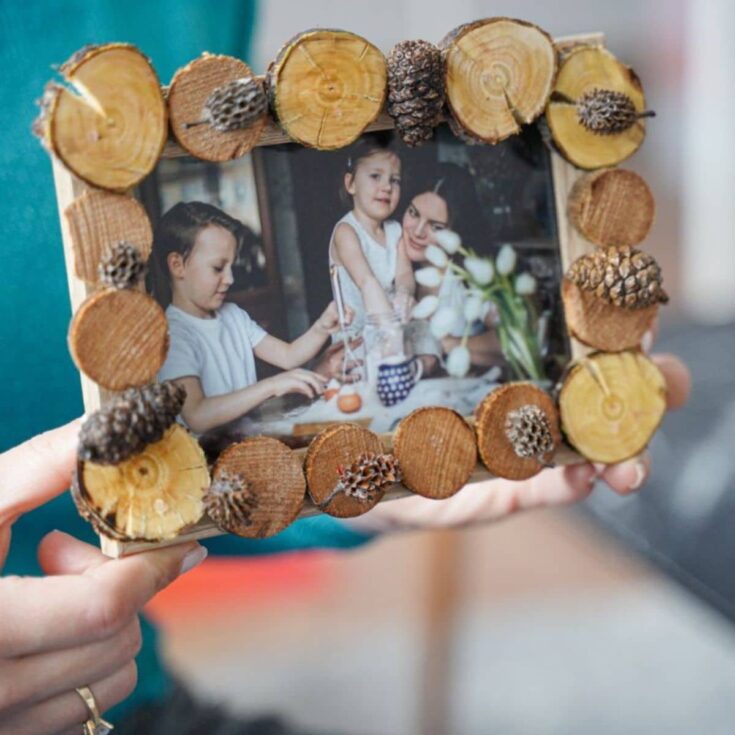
x=122 y=266
x=606 y=112
x=230 y=502
x=236 y=105
x=415 y=89
x=151 y=496
x=365 y=478
x=130 y=421
x=527 y=429
x=623 y=276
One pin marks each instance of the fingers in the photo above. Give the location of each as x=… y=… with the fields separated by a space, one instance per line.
x=52 y=613
x=68 y=710
x=39 y=677
x=678 y=379
x=59 y=553
x=626 y=477
x=37 y=470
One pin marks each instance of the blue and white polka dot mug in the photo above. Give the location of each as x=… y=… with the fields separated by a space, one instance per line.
x=396 y=377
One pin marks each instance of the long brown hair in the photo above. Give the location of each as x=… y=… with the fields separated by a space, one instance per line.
x=176 y=232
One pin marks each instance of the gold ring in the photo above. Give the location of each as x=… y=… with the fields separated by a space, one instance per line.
x=95 y=725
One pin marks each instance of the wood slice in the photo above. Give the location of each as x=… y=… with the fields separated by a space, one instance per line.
x=496 y=450
x=499 y=75
x=152 y=496
x=585 y=69
x=97 y=220
x=436 y=451
x=602 y=325
x=612 y=207
x=119 y=338
x=611 y=404
x=275 y=477
x=336 y=447
x=326 y=87
x=111 y=130
x=189 y=90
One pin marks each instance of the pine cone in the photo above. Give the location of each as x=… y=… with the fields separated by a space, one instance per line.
x=415 y=89
x=236 y=105
x=621 y=276
x=122 y=266
x=528 y=430
x=229 y=502
x=129 y=422
x=605 y=112
x=366 y=477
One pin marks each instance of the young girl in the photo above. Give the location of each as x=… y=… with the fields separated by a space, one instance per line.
x=213 y=343
x=374 y=272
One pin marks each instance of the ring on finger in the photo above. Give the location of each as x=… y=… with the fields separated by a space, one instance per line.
x=95 y=725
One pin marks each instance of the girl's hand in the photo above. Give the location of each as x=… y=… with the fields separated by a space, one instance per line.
x=297 y=381
x=78 y=626
x=328 y=322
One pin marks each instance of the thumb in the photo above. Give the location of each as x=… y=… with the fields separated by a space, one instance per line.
x=36 y=471
x=60 y=553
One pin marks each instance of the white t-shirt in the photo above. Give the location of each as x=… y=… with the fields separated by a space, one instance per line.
x=218 y=351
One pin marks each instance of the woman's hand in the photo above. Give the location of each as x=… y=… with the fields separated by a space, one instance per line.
x=496 y=499
x=78 y=626
x=332 y=363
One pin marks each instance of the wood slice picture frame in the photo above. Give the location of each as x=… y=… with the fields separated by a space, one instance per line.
x=404 y=386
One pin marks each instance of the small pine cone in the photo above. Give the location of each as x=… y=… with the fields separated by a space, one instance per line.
x=621 y=276
x=129 y=422
x=229 y=502
x=528 y=430
x=366 y=477
x=122 y=266
x=236 y=105
x=605 y=112
x=415 y=89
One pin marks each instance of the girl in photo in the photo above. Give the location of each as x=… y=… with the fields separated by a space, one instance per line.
x=374 y=272
x=213 y=344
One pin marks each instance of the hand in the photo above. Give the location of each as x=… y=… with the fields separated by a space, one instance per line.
x=297 y=381
x=328 y=322
x=496 y=499
x=78 y=626
x=332 y=362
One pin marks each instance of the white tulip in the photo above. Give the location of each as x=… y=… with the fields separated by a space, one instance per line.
x=449 y=240
x=474 y=308
x=458 y=362
x=525 y=284
x=480 y=269
x=436 y=256
x=429 y=277
x=425 y=308
x=506 y=260
x=445 y=319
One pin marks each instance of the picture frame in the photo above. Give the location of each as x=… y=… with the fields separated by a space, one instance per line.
x=457 y=434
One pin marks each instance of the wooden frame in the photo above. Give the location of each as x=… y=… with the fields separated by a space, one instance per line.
x=571 y=244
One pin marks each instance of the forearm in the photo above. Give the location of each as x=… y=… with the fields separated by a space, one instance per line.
x=208 y=413
x=303 y=348
x=374 y=297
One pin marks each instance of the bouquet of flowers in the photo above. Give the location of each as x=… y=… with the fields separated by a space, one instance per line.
x=486 y=284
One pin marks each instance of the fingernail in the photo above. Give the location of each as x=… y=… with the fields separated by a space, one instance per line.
x=640 y=474
x=647 y=341
x=193 y=559
x=599 y=468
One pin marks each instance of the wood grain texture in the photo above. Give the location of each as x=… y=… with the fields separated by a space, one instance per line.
x=496 y=450
x=119 y=339
x=189 y=90
x=99 y=219
x=436 y=450
x=499 y=75
x=601 y=325
x=339 y=446
x=612 y=207
x=275 y=475
x=611 y=405
x=326 y=86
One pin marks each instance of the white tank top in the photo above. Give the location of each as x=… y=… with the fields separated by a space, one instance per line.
x=382 y=259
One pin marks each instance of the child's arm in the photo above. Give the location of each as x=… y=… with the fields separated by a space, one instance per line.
x=350 y=255
x=405 y=284
x=202 y=414
x=287 y=355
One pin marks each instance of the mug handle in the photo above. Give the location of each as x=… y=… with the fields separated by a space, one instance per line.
x=419 y=369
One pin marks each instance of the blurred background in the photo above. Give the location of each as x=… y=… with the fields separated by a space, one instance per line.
x=616 y=617
x=613 y=618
